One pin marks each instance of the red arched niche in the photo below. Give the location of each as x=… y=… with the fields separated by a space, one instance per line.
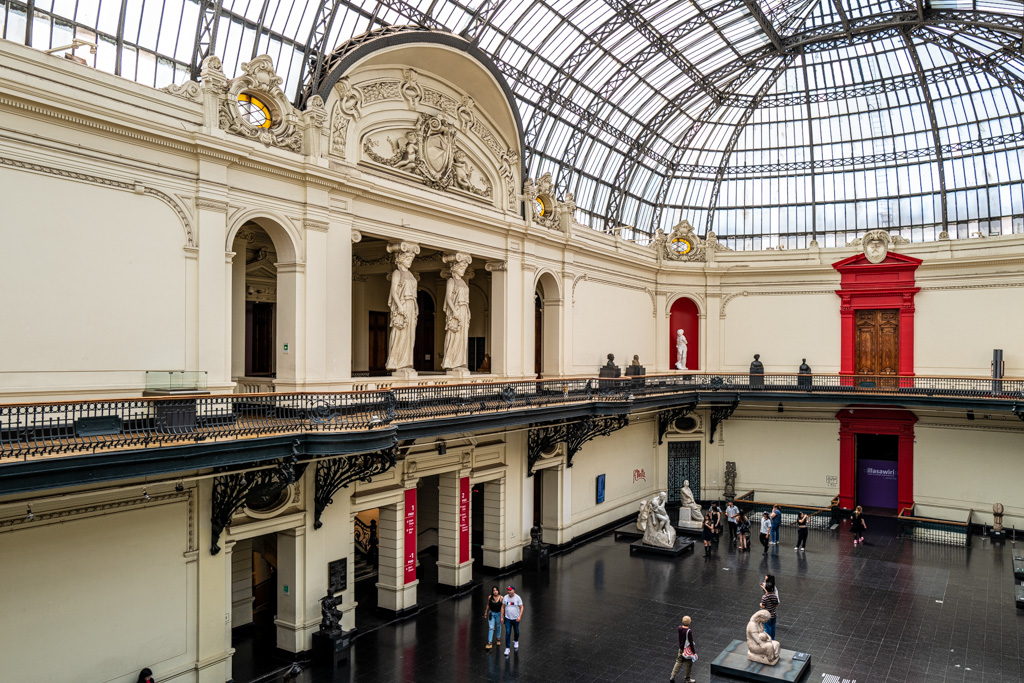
x=856 y=420
x=684 y=314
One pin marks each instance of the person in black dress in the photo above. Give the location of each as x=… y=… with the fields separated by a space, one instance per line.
x=801 y=531
x=707 y=533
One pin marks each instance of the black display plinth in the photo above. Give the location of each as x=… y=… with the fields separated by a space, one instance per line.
x=1018 y=594
x=732 y=661
x=536 y=558
x=628 y=531
x=680 y=547
x=635 y=370
x=1018 y=567
x=332 y=646
x=610 y=371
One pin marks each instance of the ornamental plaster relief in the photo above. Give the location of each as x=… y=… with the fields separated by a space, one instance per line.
x=417 y=125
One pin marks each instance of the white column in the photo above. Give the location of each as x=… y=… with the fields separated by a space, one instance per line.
x=499 y=333
x=556 y=507
x=213 y=292
x=343 y=327
x=392 y=591
x=316 y=314
x=360 y=324
x=241 y=583
x=213 y=628
x=495 y=551
x=237 y=270
x=291 y=590
x=191 y=308
x=291 y=314
x=450 y=571
x=664 y=352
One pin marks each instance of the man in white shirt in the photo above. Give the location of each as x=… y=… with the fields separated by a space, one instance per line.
x=732 y=513
x=512 y=607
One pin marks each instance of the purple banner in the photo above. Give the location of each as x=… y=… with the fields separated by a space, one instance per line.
x=876 y=483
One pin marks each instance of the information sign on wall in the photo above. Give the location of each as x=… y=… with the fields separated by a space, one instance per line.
x=600 y=488
x=876 y=483
x=410 y=535
x=464 y=519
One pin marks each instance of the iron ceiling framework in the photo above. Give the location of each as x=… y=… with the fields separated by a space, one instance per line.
x=773 y=122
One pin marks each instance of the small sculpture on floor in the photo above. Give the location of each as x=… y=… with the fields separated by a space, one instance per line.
x=997 y=518
x=330 y=614
x=760 y=646
x=686 y=501
x=660 y=531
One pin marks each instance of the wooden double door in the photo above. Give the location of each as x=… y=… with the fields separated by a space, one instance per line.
x=877 y=341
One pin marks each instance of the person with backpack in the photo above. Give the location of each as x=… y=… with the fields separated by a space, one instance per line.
x=687 y=653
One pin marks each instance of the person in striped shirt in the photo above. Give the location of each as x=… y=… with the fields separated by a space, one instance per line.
x=770 y=602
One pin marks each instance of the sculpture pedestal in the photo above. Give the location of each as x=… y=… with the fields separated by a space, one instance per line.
x=680 y=547
x=1018 y=567
x=732 y=661
x=536 y=559
x=332 y=647
x=1018 y=593
x=609 y=371
x=686 y=524
x=635 y=370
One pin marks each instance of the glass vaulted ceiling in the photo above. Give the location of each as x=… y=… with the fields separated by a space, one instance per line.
x=771 y=122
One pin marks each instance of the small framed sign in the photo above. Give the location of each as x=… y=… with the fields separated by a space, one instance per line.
x=337 y=573
x=600 y=488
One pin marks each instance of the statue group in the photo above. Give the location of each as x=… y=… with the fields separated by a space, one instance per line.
x=654 y=521
x=405 y=311
x=760 y=646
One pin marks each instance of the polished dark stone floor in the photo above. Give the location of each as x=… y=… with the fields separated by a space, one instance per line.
x=888 y=611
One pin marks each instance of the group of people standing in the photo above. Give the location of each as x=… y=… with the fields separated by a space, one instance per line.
x=687 y=654
x=711 y=528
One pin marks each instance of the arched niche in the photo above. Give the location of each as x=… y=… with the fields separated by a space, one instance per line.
x=685 y=315
x=547 y=326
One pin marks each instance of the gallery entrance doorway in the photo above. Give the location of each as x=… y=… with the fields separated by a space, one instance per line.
x=877 y=472
x=254 y=563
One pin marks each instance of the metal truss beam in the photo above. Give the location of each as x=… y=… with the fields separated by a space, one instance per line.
x=413 y=13
x=926 y=92
x=480 y=20
x=764 y=23
x=313 y=59
x=206 y=35
x=993 y=64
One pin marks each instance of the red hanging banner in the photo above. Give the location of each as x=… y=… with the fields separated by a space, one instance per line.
x=410 y=535
x=464 y=520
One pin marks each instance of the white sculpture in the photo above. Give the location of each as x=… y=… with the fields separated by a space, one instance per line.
x=456 y=308
x=404 y=310
x=760 y=646
x=876 y=245
x=660 y=531
x=641 y=519
x=686 y=502
x=680 y=349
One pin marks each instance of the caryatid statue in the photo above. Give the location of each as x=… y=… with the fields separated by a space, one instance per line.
x=456 y=308
x=680 y=349
x=404 y=309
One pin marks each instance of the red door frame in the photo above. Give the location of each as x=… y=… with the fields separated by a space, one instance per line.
x=856 y=420
x=866 y=285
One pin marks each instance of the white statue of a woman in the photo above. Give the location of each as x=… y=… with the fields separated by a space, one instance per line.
x=404 y=310
x=456 y=308
x=680 y=349
x=686 y=501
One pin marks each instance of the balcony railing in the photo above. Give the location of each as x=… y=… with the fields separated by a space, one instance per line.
x=943 y=531
x=79 y=426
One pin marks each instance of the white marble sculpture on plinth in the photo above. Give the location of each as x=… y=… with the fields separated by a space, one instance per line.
x=760 y=646
x=690 y=516
x=681 y=347
x=659 y=532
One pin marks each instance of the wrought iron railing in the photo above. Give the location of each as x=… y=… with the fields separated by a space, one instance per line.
x=68 y=427
x=818 y=517
x=943 y=531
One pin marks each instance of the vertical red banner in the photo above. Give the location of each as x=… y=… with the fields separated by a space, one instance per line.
x=410 y=535
x=464 y=520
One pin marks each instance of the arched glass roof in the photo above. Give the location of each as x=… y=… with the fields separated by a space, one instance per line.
x=772 y=122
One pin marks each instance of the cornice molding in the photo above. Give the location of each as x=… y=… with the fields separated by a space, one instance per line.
x=134 y=188
x=211 y=204
x=316 y=226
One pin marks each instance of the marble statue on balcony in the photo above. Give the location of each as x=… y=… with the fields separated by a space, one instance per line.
x=760 y=646
x=404 y=309
x=456 y=308
x=660 y=532
x=681 y=346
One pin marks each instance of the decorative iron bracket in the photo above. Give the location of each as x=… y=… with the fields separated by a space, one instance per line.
x=543 y=437
x=667 y=417
x=719 y=414
x=589 y=428
x=232 y=491
x=336 y=473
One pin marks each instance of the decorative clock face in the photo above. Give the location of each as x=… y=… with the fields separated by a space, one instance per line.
x=681 y=245
x=254 y=111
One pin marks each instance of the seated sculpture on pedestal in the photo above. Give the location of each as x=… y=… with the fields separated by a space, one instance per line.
x=660 y=531
x=686 y=502
x=641 y=519
x=760 y=646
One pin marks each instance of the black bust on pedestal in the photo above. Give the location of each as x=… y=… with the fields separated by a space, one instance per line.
x=610 y=369
x=634 y=369
x=756 y=372
x=804 y=380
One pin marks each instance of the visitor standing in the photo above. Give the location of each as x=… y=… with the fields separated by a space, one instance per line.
x=732 y=514
x=858 y=526
x=513 y=615
x=776 y=518
x=743 y=532
x=801 y=531
x=687 y=653
x=766 y=529
x=146 y=676
x=493 y=615
x=707 y=533
x=770 y=602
